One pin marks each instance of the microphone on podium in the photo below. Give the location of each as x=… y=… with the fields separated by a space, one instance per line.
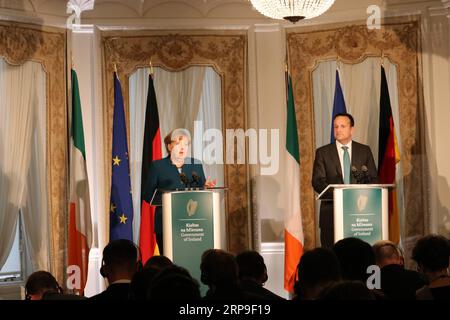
x=195 y=179
x=184 y=179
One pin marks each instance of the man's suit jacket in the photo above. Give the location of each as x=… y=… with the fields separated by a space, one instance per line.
x=327 y=170
x=163 y=175
x=114 y=292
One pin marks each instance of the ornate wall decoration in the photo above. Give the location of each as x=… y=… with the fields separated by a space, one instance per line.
x=399 y=42
x=20 y=43
x=226 y=52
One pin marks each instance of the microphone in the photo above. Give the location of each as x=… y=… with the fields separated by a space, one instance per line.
x=361 y=176
x=195 y=178
x=184 y=179
x=365 y=172
x=356 y=174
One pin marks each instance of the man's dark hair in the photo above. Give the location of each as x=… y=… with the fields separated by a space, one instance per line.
x=174 y=283
x=158 y=262
x=432 y=252
x=354 y=256
x=317 y=267
x=219 y=268
x=251 y=264
x=40 y=282
x=348 y=115
x=120 y=254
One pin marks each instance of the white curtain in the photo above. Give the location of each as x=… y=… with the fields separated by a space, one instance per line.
x=210 y=114
x=361 y=88
x=35 y=210
x=183 y=97
x=20 y=98
x=324 y=82
x=178 y=95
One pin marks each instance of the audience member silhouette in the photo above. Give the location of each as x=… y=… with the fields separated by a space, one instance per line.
x=40 y=283
x=253 y=275
x=174 y=283
x=317 y=269
x=141 y=281
x=432 y=254
x=354 y=256
x=120 y=262
x=396 y=281
x=347 y=290
x=159 y=262
x=219 y=271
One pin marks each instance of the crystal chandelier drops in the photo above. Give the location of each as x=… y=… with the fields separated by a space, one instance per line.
x=292 y=10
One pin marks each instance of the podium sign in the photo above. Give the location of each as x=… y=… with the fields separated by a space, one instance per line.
x=362 y=214
x=361 y=211
x=191 y=225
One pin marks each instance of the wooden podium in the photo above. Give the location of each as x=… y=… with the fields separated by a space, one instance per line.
x=360 y=211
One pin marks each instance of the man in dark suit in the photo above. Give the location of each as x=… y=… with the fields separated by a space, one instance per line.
x=121 y=260
x=176 y=171
x=253 y=275
x=337 y=163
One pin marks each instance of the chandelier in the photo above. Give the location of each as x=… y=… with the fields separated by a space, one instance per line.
x=292 y=10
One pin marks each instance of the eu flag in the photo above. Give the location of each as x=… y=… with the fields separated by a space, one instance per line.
x=338 y=104
x=121 y=206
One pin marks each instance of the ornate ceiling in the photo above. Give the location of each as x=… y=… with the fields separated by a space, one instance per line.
x=196 y=13
x=141 y=8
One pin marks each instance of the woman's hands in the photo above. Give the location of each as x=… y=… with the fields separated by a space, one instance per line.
x=210 y=183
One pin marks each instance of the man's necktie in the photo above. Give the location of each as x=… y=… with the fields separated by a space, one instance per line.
x=346 y=165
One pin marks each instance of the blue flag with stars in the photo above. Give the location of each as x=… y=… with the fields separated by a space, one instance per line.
x=338 y=104
x=121 y=207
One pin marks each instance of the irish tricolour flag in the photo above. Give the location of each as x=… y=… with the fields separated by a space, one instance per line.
x=80 y=226
x=293 y=230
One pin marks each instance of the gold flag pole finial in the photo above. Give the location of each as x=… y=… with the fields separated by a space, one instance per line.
x=151 y=67
x=382 y=58
x=115 y=68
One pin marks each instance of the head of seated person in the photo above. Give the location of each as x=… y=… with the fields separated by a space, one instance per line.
x=173 y=283
x=355 y=256
x=387 y=253
x=158 y=262
x=317 y=269
x=120 y=260
x=40 y=283
x=252 y=267
x=432 y=254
